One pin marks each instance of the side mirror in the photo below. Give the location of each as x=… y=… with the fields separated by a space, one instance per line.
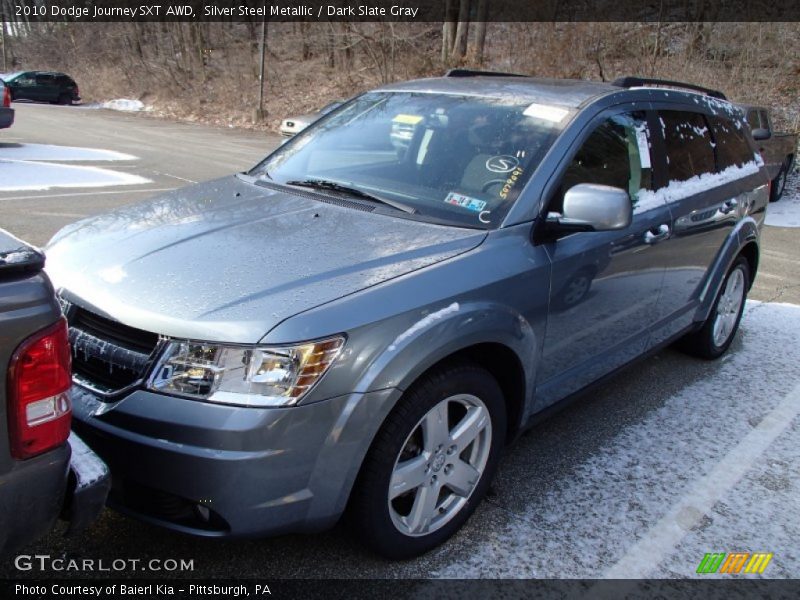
x=594 y=207
x=761 y=134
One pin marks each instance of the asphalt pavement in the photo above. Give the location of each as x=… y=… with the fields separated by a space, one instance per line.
x=671 y=459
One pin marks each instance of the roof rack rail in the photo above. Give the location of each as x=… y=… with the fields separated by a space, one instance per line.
x=629 y=82
x=473 y=73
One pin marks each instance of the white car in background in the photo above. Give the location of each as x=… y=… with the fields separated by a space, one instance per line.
x=294 y=125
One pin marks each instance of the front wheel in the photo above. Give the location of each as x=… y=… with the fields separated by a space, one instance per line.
x=432 y=461
x=715 y=336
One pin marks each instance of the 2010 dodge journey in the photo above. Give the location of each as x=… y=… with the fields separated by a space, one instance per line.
x=366 y=318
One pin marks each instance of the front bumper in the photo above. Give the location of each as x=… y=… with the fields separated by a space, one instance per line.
x=6 y=117
x=224 y=471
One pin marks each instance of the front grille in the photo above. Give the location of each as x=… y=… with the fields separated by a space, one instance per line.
x=108 y=356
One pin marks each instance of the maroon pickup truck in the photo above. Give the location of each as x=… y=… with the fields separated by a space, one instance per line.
x=777 y=149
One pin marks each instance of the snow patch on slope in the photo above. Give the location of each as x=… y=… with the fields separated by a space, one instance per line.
x=126 y=105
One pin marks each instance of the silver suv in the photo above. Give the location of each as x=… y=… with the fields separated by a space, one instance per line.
x=357 y=323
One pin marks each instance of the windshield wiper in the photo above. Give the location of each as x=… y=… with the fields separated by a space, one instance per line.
x=324 y=184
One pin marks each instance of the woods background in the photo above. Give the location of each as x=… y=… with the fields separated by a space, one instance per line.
x=209 y=71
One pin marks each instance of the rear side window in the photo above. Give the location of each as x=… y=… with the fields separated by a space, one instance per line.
x=731 y=146
x=689 y=145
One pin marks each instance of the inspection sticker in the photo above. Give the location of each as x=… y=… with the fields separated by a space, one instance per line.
x=465 y=202
x=407 y=119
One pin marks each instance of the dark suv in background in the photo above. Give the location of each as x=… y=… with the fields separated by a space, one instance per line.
x=43 y=86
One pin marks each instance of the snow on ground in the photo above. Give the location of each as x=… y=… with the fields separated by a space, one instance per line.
x=25 y=167
x=20 y=175
x=59 y=153
x=121 y=104
x=786 y=211
x=714 y=469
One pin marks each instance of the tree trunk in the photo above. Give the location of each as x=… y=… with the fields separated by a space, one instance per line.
x=462 y=31
x=478 y=41
x=448 y=29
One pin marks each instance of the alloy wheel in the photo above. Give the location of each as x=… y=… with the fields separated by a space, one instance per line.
x=440 y=464
x=730 y=302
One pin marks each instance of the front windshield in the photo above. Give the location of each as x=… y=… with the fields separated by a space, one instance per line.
x=455 y=159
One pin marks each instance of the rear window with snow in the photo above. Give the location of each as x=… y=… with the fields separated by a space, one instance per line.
x=731 y=146
x=689 y=144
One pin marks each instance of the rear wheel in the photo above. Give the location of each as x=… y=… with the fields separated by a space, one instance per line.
x=431 y=462
x=779 y=183
x=64 y=99
x=715 y=336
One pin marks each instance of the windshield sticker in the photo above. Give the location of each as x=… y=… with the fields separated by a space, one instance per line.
x=502 y=164
x=465 y=202
x=546 y=113
x=485 y=216
x=407 y=119
x=510 y=182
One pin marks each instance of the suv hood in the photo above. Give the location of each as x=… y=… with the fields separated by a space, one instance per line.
x=16 y=255
x=227 y=260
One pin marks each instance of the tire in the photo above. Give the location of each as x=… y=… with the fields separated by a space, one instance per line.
x=779 y=183
x=717 y=333
x=65 y=99
x=401 y=524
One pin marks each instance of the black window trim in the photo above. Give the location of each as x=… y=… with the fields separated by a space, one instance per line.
x=538 y=232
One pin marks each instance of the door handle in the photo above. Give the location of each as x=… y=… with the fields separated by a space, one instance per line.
x=656 y=234
x=728 y=206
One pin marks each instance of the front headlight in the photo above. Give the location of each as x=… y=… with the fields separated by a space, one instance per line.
x=243 y=375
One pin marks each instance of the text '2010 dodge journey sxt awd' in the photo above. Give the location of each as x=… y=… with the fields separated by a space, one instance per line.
x=368 y=316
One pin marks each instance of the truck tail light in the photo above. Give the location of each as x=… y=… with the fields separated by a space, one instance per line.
x=6 y=97
x=39 y=379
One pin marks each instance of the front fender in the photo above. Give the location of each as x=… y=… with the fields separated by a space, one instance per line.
x=438 y=334
x=426 y=340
